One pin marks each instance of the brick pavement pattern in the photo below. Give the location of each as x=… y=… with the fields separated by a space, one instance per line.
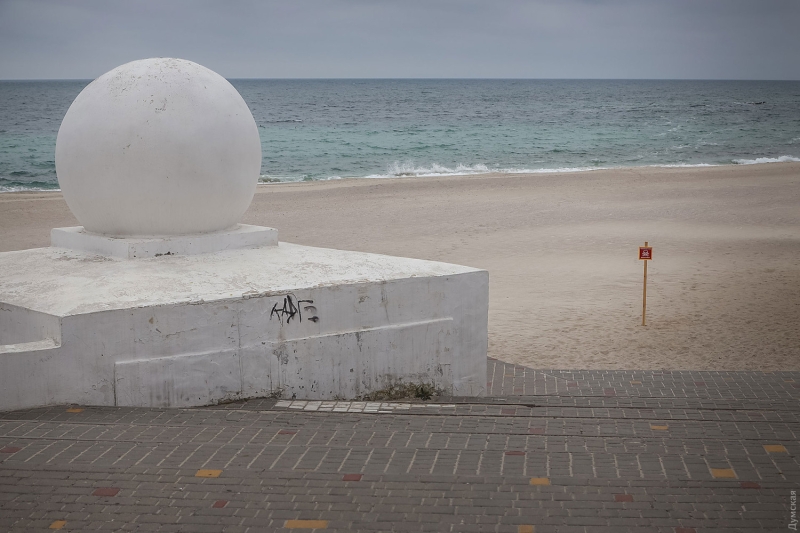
x=547 y=451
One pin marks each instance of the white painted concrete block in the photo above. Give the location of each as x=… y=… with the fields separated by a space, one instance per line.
x=178 y=380
x=351 y=364
x=192 y=330
x=22 y=325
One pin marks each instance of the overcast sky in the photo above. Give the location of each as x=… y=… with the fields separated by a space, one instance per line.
x=730 y=39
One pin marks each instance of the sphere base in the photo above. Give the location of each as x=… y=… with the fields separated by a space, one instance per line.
x=241 y=236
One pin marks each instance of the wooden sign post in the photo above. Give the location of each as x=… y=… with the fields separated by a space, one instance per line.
x=645 y=254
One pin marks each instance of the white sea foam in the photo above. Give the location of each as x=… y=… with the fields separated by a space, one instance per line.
x=400 y=170
x=20 y=188
x=685 y=165
x=759 y=160
x=408 y=170
x=267 y=179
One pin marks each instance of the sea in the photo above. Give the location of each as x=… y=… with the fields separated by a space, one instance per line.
x=361 y=128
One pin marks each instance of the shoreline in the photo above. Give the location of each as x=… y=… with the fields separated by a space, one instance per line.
x=565 y=284
x=532 y=172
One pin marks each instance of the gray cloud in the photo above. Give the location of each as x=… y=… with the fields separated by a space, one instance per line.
x=734 y=39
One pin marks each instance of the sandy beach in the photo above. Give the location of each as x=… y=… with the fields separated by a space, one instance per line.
x=566 y=286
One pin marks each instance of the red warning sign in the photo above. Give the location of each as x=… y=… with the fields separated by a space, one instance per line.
x=645 y=252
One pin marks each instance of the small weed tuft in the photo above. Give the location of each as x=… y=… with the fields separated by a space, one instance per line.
x=402 y=391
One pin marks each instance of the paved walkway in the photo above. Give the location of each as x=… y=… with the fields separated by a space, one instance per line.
x=588 y=451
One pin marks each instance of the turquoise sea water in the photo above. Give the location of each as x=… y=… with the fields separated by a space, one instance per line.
x=329 y=129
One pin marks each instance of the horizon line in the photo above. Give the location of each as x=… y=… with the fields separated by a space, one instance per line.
x=437 y=79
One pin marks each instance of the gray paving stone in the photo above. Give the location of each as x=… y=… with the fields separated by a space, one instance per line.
x=424 y=468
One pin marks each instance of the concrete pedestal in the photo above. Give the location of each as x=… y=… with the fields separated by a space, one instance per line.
x=189 y=330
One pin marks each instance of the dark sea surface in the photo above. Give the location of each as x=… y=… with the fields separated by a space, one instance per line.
x=329 y=129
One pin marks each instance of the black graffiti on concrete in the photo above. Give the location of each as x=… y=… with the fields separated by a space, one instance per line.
x=291 y=309
x=311 y=310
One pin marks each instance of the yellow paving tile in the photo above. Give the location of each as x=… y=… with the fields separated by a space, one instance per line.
x=656 y=427
x=74 y=410
x=58 y=524
x=723 y=472
x=636 y=382
x=306 y=524
x=525 y=528
x=208 y=473
x=540 y=481
x=775 y=448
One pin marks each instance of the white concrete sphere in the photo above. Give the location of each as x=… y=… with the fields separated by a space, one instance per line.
x=158 y=147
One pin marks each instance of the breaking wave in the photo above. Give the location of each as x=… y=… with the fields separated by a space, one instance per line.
x=7 y=185
x=402 y=170
x=759 y=160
